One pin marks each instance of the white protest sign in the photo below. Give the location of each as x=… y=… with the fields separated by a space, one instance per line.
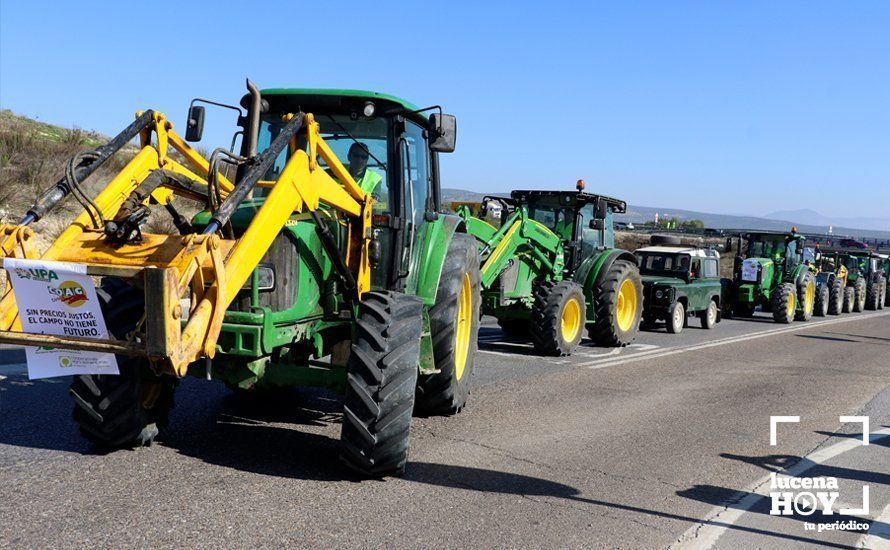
x=60 y=299
x=750 y=268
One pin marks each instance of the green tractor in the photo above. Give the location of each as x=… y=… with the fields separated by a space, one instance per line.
x=772 y=272
x=831 y=278
x=303 y=271
x=551 y=270
x=866 y=277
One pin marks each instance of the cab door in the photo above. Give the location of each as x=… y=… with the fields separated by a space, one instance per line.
x=414 y=161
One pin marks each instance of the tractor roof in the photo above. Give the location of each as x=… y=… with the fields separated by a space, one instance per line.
x=572 y=198
x=335 y=97
x=692 y=251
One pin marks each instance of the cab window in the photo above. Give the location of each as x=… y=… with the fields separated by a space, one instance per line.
x=365 y=137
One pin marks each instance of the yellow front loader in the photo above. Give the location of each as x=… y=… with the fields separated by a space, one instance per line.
x=301 y=270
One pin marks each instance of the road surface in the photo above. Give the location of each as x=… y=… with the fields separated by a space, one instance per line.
x=662 y=444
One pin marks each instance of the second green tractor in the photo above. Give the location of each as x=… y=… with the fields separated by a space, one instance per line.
x=550 y=269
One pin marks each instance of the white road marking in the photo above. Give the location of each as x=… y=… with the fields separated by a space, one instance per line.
x=878 y=536
x=720 y=519
x=722 y=341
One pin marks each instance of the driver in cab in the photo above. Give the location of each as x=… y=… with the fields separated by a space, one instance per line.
x=358 y=168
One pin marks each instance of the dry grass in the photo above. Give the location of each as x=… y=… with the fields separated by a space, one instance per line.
x=33 y=157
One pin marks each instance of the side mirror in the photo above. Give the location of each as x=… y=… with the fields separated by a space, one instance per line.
x=445 y=128
x=597 y=223
x=195 y=126
x=728 y=246
x=601 y=209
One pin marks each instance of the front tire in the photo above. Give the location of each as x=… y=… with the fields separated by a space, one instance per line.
x=454 y=326
x=743 y=310
x=618 y=303
x=125 y=410
x=784 y=303
x=676 y=317
x=514 y=328
x=806 y=296
x=822 y=299
x=382 y=377
x=557 y=317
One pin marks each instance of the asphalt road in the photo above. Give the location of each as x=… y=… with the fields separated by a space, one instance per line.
x=664 y=443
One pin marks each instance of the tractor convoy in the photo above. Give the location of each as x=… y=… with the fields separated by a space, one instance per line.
x=321 y=255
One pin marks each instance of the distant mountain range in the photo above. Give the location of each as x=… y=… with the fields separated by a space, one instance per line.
x=806 y=221
x=811 y=217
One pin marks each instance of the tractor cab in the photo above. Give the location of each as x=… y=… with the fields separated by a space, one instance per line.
x=769 y=255
x=582 y=221
x=388 y=146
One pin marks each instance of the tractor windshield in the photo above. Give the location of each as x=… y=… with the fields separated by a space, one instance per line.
x=560 y=220
x=856 y=263
x=361 y=145
x=766 y=246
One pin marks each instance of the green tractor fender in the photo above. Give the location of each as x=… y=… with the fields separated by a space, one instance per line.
x=434 y=240
x=592 y=270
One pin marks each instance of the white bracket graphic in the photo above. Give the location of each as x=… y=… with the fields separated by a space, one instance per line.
x=865 y=428
x=774 y=420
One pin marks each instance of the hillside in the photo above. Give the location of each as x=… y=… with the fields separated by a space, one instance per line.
x=638 y=214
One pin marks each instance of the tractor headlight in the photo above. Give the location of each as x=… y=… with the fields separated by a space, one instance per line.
x=265 y=278
x=659 y=294
x=369 y=109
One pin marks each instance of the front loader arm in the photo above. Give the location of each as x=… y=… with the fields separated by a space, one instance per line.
x=209 y=268
x=520 y=234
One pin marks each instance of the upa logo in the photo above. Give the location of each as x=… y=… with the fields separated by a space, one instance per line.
x=37 y=274
x=69 y=293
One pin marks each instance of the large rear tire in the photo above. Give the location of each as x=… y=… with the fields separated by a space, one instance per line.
x=381 y=384
x=784 y=303
x=454 y=325
x=618 y=305
x=873 y=293
x=806 y=296
x=125 y=410
x=849 y=299
x=859 y=300
x=836 y=298
x=558 y=317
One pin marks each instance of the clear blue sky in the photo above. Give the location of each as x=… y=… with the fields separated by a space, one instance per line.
x=731 y=107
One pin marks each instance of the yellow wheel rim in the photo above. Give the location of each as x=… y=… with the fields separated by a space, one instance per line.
x=789 y=307
x=464 y=326
x=571 y=320
x=626 y=309
x=810 y=298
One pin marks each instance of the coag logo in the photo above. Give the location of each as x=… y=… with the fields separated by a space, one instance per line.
x=69 y=293
x=37 y=274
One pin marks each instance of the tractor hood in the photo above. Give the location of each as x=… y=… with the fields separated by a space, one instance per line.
x=649 y=280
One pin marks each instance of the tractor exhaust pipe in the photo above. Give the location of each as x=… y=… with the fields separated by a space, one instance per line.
x=256 y=105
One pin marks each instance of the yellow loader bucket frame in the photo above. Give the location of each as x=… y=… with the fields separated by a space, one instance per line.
x=208 y=268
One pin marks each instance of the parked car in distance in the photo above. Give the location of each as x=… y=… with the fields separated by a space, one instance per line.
x=679 y=282
x=852 y=243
